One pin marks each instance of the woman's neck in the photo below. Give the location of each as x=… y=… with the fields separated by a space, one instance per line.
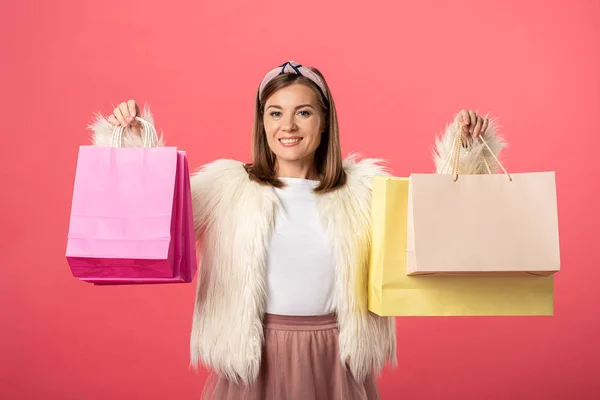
x=297 y=169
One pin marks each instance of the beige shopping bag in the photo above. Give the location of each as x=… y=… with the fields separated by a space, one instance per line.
x=484 y=224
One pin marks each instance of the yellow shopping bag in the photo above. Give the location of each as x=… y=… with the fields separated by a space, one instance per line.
x=392 y=293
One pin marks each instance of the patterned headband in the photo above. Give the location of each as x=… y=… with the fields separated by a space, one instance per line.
x=291 y=67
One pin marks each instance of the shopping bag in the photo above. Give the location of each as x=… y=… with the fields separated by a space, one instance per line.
x=131 y=218
x=185 y=262
x=391 y=292
x=487 y=223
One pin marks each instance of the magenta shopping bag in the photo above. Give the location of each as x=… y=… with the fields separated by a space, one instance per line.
x=131 y=217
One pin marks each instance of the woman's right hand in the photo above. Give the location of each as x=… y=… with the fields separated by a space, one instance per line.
x=124 y=115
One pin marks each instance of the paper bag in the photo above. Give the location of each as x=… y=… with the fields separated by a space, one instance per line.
x=392 y=293
x=482 y=224
x=131 y=218
x=499 y=223
x=185 y=245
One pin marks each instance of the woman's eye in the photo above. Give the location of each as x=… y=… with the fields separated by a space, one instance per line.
x=305 y=113
x=275 y=114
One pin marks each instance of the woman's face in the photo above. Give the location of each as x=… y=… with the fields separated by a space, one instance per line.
x=293 y=122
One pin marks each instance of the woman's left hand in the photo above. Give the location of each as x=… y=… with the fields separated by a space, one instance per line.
x=472 y=125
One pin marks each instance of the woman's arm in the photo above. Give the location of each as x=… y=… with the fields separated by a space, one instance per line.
x=474 y=153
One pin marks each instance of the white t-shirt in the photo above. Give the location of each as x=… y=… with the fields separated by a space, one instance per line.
x=300 y=268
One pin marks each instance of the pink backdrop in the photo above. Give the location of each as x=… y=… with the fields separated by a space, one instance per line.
x=398 y=70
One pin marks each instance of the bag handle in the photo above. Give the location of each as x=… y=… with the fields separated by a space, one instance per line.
x=447 y=162
x=149 y=134
x=455 y=157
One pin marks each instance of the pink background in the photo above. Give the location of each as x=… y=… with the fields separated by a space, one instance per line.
x=398 y=70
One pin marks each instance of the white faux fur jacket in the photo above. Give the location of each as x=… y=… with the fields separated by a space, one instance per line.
x=234 y=218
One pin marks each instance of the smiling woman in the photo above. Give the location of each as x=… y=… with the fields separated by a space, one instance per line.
x=296 y=132
x=284 y=315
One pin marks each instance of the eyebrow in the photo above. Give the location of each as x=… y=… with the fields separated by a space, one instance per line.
x=296 y=108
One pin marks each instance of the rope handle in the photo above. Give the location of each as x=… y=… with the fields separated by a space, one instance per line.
x=149 y=135
x=455 y=157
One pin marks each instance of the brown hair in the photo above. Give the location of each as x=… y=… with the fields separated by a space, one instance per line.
x=328 y=156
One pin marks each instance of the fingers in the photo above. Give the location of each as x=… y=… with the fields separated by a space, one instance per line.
x=132 y=108
x=477 y=127
x=125 y=114
x=113 y=121
x=119 y=116
x=463 y=120
x=473 y=125
x=484 y=128
x=472 y=121
x=134 y=111
x=464 y=117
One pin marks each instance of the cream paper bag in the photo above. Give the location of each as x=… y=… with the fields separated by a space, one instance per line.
x=483 y=224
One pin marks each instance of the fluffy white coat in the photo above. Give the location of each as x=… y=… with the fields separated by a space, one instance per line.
x=234 y=218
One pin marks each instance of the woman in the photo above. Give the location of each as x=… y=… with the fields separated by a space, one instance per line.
x=281 y=308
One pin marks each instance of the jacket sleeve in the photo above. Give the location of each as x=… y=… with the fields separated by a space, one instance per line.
x=102 y=131
x=211 y=183
x=473 y=156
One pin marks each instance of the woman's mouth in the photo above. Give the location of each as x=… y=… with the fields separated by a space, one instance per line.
x=290 y=141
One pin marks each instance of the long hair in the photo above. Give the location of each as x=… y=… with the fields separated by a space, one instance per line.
x=328 y=156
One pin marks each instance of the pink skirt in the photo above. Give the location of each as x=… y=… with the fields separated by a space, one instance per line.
x=300 y=361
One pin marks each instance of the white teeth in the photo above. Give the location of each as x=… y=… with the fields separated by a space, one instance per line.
x=289 y=141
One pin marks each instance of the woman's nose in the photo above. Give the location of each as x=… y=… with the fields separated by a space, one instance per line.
x=288 y=124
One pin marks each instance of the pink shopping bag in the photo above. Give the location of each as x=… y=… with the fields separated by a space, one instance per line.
x=131 y=218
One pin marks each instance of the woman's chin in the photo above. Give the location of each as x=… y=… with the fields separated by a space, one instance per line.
x=292 y=155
